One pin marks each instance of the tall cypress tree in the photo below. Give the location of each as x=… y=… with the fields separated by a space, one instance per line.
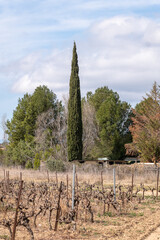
x=74 y=132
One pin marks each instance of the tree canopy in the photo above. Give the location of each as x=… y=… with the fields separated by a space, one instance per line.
x=146 y=126
x=23 y=123
x=113 y=118
x=74 y=131
x=21 y=129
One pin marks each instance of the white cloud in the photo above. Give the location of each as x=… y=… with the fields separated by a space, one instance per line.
x=29 y=25
x=35 y=70
x=124 y=57
x=98 y=4
x=121 y=52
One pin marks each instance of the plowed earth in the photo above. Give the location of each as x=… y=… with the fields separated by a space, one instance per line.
x=142 y=223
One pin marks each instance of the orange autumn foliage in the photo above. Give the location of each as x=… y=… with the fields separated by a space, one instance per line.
x=145 y=129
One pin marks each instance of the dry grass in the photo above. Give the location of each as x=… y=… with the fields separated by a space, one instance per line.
x=91 y=174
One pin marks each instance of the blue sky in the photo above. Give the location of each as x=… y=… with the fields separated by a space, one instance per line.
x=118 y=44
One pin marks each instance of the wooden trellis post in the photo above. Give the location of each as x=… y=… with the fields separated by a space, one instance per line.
x=16 y=214
x=102 y=181
x=132 y=184
x=157 y=182
x=58 y=208
x=114 y=183
x=73 y=185
x=48 y=175
x=56 y=179
x=67 y=190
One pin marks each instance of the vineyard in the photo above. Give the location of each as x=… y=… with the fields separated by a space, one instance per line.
x=42 y=208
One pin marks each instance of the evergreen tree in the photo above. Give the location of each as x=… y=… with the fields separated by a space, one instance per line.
x=22 y=127
x=23 y=123
x=74 y=131
x=113 y=119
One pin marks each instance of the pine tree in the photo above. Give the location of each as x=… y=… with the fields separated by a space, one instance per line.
x=74 y=131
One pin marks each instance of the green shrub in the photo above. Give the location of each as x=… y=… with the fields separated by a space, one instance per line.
x=37 y=161
x=1 y=156
x=29 y=164
x=55 y=165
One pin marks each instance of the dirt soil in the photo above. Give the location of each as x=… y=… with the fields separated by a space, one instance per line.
x=141 y=224
x=155 y=235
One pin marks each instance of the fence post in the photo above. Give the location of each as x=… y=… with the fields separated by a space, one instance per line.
x=67 y=191
x=102 y=181
x=73 y=185
x=56 y=179
x=132 y=184
x=4 y=174
x=123 y=199
x=8 y=181
x=114 y=183
x=20 y=176
x=48 y=176
x=157 y=182
x=4 y=179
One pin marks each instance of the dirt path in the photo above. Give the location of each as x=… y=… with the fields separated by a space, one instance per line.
x=155 y=235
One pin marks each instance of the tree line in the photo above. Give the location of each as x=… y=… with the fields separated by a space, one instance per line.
x=44 y=128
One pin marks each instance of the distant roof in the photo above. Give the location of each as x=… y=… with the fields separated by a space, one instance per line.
x=103 y=159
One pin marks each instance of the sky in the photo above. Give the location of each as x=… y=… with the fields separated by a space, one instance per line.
x=118 y=45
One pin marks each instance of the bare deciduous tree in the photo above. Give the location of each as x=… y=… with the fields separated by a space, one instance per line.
x=4 y=127
x=51 y=132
